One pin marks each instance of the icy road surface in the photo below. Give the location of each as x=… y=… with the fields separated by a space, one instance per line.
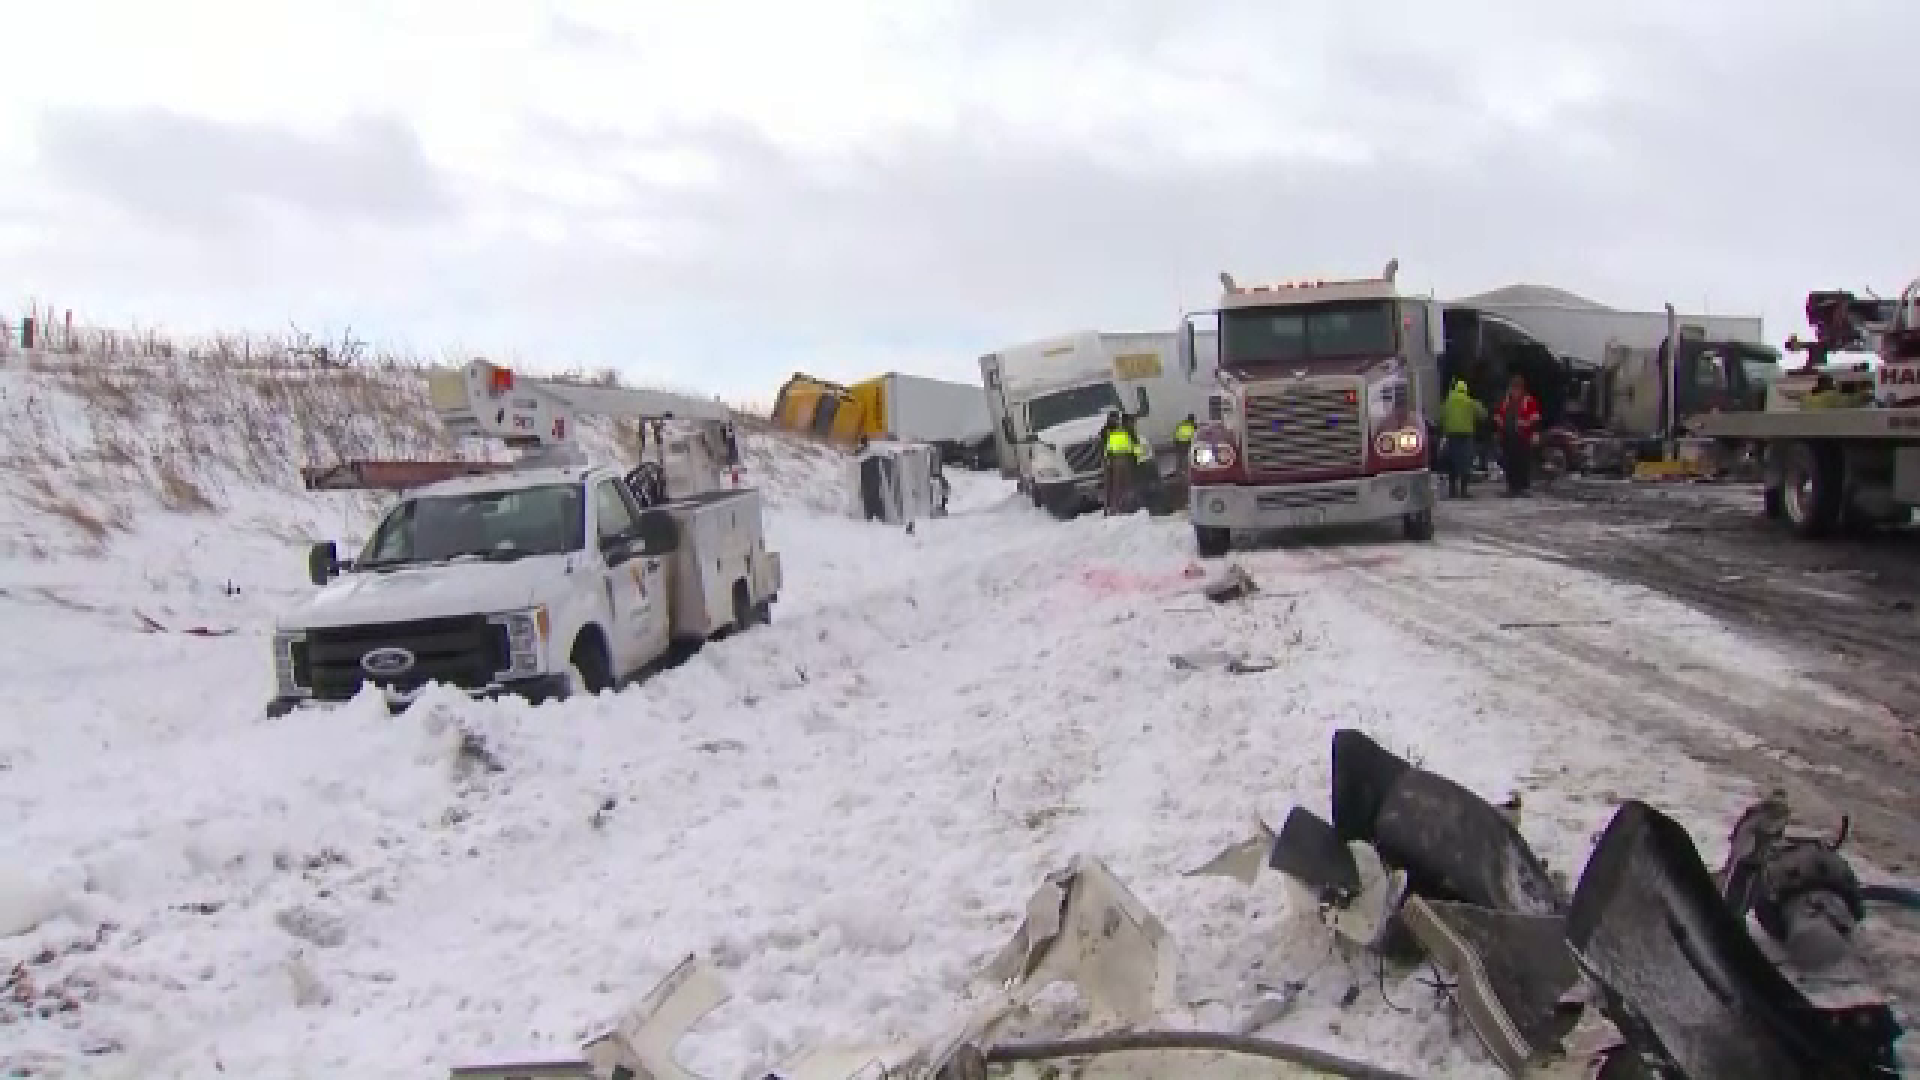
x=845 y=810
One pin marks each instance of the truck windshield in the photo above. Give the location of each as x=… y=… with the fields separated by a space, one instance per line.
x=1251 y=337
x=495 y=525
x=1762 y=365
x=1094 y=399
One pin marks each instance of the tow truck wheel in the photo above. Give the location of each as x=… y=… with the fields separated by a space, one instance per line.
x=1812 y=488
x=1210 y=542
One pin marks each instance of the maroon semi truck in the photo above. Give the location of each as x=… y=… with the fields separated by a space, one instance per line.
x=1322 y=411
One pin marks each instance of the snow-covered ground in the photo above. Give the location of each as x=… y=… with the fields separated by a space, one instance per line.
x=845 y=810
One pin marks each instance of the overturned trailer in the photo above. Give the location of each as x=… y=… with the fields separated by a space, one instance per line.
x=897 y=482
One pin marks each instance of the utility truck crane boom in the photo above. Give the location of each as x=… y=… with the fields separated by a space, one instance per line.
x=539 y=418
x=685 y=442
x=489 y=401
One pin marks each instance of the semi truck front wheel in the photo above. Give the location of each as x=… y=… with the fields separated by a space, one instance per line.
x=1418 y=527
x=1212 y=543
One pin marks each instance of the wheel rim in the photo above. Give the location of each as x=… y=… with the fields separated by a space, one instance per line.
x=1799 y=493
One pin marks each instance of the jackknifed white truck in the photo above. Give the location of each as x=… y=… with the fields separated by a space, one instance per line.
x=543 y=579
x=1049 y=400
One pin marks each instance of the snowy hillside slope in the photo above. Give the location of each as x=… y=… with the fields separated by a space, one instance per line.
x=176 y=478
x=845 y=810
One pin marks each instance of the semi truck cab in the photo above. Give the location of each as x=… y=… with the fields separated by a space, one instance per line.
x=1321 y=413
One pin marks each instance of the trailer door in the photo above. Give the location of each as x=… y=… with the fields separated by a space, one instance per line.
x=999 y=416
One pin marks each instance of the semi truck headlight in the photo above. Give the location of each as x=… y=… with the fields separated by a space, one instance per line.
x=1403 y=443
x=1211 y=455
x=291 y=675
x=527 y=632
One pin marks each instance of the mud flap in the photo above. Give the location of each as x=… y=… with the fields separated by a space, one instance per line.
x=1512 y=975
x=1453 y=844
x=1691 y=992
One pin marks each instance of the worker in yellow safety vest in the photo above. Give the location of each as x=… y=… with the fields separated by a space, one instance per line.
x=1146 y=474
x=1121 y=460
x=1183 y=434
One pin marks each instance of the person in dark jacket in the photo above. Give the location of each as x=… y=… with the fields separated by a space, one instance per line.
x=1518 y=422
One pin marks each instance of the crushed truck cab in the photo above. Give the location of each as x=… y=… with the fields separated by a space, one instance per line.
x=541 y=583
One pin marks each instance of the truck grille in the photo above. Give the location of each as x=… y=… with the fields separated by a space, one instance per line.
x=1305 y=427
x=1342 y=495
x=1083 y=457
x=464 y=651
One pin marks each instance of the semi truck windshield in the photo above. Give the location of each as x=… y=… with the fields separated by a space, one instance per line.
x=1255 y=336
x=1061 y=406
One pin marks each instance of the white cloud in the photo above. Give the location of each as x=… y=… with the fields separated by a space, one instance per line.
x=727 y=192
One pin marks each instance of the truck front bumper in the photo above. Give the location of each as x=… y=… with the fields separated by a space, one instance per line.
x=1301 y=506
x=550 y=687
x=1075 y=493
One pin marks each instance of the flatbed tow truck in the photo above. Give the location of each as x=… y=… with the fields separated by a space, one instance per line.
x=543 y=578
x=1853 y=463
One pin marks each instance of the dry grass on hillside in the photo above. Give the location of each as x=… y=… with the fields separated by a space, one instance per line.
x=98 y=423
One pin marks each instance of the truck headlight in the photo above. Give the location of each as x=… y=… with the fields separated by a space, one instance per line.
x=1207 y=454
x=1403 y=443
x=526 y=631
x=292 y=676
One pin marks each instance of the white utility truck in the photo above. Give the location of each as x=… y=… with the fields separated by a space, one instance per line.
x=1049 y=401
x=544 y=579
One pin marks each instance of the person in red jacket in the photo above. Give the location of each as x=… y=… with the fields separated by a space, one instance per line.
x=1518 y=422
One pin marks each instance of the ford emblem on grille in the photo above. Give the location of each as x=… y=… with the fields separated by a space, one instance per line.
x=387 y=662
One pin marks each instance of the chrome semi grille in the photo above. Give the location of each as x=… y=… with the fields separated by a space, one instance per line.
x=1083 y=457
x=1312 y=425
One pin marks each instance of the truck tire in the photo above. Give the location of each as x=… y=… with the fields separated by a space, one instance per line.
x=1812 y=488
x=592 y=670
x=742 y=607
x=1773 y=503
x=1210 y=542
x=1418 y=527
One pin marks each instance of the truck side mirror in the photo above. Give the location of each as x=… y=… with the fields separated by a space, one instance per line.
x=1146 y=407
x=659 y=533
x=323 y=563
x=1188 y=363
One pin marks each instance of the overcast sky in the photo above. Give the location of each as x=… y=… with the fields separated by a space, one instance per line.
x=717 y=194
